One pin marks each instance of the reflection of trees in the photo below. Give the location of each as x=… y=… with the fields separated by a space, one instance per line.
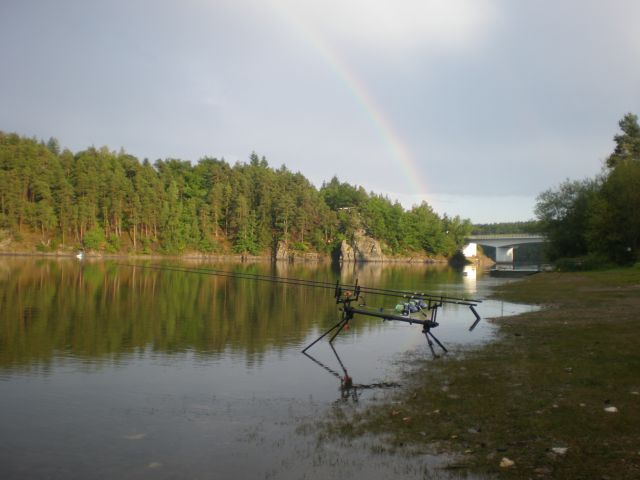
x=416 y=277
x=98 y=310
x=101 y=310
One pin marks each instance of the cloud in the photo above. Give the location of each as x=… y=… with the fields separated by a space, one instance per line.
x=396 y=24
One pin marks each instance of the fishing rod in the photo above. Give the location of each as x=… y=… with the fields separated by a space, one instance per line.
x=240 y=275
x=311 y=283
x=425 y=304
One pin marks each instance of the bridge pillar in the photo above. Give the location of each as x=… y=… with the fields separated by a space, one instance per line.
x=504 y=254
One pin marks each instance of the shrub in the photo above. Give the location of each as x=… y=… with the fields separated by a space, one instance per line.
x=94 y=239
x=207 y=245
x=113 y=244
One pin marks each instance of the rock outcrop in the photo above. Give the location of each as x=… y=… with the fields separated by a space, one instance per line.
x=363 y=249
x=282 y=253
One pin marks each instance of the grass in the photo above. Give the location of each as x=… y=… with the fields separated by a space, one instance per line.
x=544 y=384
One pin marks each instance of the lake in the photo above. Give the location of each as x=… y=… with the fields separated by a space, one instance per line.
x=109 y=369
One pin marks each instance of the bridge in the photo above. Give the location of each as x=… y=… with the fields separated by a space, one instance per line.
x=504 y=244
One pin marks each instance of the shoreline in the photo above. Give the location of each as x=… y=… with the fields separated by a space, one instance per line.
x=537 y=395
x=231 y=258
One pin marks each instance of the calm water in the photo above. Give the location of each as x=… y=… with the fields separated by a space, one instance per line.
x=109 y=371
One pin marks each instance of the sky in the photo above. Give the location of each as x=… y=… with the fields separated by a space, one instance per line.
x=474 y=106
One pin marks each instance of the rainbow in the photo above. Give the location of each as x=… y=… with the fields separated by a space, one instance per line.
x=397 y=149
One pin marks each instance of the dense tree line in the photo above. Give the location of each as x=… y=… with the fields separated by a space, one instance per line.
x=102 y=199
x=501 y=228
x=598 y=217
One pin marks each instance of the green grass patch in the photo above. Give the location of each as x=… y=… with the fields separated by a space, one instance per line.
x=545 y=383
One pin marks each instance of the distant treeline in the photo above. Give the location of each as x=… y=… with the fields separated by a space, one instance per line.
x=530 y=226
x=105 y=200
x=599 y=218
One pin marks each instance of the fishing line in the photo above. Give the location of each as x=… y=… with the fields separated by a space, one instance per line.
x=345 y=295
x=312 y=283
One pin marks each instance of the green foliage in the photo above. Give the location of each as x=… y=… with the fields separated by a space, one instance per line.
x=173 y=206
x=207 y=245
x=627 y=144
x=299 y=247
x=113 y=244
x=94 y=239
x=564 y=217
x=530 y=226
x=598 y=219
x=614 y=228
x=146 y=246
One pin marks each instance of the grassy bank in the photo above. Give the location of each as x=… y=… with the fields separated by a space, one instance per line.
x=543 y=385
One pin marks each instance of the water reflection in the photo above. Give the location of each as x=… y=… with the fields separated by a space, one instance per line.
x=105 y=311
x=183 y=375
x=349 y=390
x=469 y=277
x=100 y=311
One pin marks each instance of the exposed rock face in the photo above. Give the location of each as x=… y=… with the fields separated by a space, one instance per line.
x=364 y=249
x=281 y=251
x=346 y=252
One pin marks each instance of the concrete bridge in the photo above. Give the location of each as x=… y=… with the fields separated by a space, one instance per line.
x=504 y=244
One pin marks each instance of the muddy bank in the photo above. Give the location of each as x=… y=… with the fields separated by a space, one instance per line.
x=557 y=394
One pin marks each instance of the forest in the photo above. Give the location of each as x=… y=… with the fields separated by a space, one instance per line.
x=597 y=220
x=102 y=200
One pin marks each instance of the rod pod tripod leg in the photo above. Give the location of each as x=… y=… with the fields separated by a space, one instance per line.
x=343 y=321
x=427 y=334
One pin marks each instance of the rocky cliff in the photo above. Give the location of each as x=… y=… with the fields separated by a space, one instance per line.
x=282 y=253
x=362 y=249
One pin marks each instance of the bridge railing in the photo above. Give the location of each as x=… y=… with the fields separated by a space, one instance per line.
x=505 y=236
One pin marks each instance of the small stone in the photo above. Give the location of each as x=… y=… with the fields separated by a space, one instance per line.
x=436 y=411
x=468 y=451
x=555 y=405
x=473 y=430
x=583 y=404
x=559 y=450
x=454 y=437
x=506 y=462
x=406 y=419
x=611 y=410
x=394 y=413
x=542 y=471
x=635 y=393
x=568 y=369
x=424 y=434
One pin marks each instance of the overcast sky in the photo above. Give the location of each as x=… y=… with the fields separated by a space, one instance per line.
x=475 y=106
